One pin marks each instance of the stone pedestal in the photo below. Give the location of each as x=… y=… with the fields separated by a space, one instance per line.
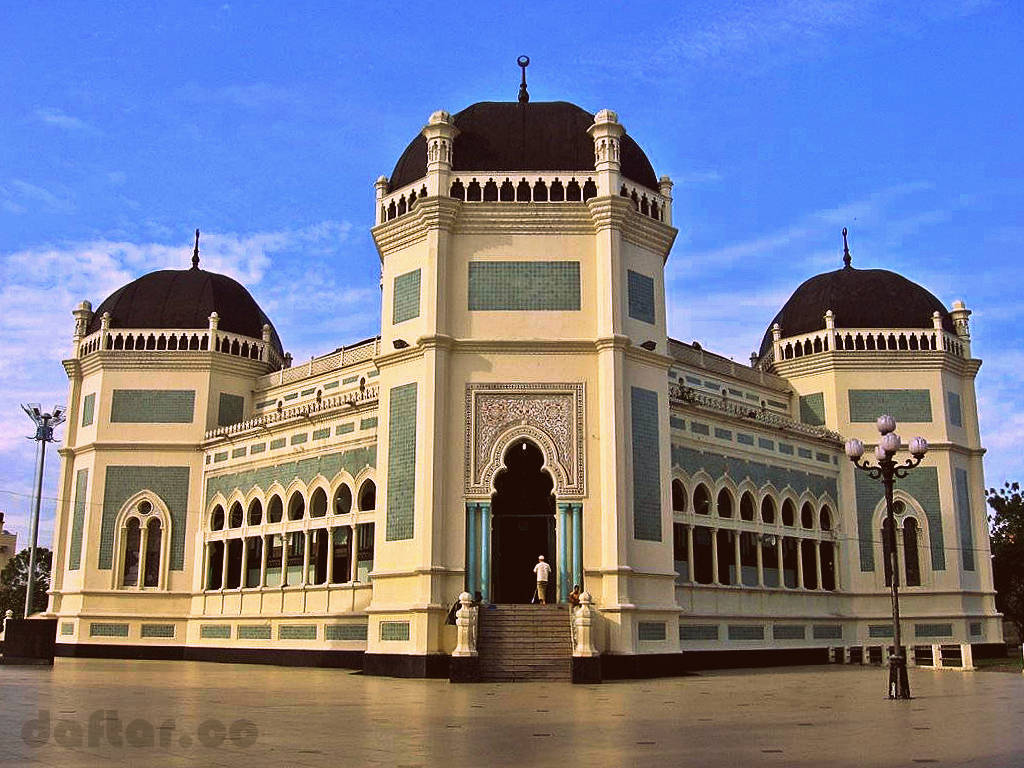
x=29 y=641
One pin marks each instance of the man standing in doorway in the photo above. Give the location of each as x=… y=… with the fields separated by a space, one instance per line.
x=543 y=571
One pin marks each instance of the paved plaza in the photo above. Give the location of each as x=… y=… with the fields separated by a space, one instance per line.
x=188 y=713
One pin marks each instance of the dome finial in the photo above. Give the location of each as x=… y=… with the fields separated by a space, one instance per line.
x=195 y=253
x=523 y=62
x=847 y=259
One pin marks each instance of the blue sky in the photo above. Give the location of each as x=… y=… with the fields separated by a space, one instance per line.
x=122 y=128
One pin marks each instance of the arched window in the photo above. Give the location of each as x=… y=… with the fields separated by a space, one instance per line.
x=296 y=506
x=747 y=506
x=807 y=515
x=343 y=500
x=253 y=560
x=703 y=569
x=678 y=496
x=724 y=503
x=132 y=543
x=887 y=542
x=367 y=496
x=154 y=546
x=318 y=503
x=810 y=567
x=217 y=519
x=826 y=518
x=790 y=555
x=275 y=509
x=255 y=512
x=768 y=510
x=702 y=500
x=235 y=516
x=911 y=556
x=788 y=512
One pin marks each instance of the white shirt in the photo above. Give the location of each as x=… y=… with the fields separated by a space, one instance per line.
x=543 y=570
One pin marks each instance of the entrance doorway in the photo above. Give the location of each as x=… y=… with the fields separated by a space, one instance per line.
x=523 y=525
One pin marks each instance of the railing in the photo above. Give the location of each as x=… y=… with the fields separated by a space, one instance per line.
x=467 y=621
x=179 y=340
x=309 y=409
x=582 y=623
x=529 y=187
x=339 y=358
x=867 y=340
x=690 y=396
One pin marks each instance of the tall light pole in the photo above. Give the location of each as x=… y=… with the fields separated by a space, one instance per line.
x=887 y=470
x=45 y=423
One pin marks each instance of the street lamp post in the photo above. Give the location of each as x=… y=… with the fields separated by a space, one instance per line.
x=887 y=470
x=45 y=423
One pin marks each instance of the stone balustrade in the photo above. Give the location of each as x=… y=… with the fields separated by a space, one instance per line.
x=339 y=358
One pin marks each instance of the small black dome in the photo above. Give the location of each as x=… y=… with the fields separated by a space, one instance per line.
x=513 y=136
x=859 y=298
x=185 y=298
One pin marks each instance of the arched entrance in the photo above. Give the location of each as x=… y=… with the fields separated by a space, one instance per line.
x=523 y=508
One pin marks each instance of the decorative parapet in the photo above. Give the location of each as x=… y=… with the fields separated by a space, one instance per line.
x=339 y=358
x=688 y=396
x=864 y=340
x=554 y=187
x=350 y=400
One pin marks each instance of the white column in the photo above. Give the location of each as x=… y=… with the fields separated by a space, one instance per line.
x=737 y=566
x=143 y=541
x=224 y=566
x=243 y=576
x=689 y=553
x=352 y=560
x=307 y=538
x=330 y=555
x=263 y=561
x=714 y=556
x=284 y=559
x=778 y=558
x=799 y=563
x=760 y=561
x=817 y=562
x=206 y=566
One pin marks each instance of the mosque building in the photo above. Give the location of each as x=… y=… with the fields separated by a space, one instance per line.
x=221 y=501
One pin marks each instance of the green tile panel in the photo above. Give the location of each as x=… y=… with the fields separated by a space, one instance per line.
x=933 y=630
x=923 y=485
x=746 y=632
x=299 y=437
x=345 y=632
x=307 y=392
x=766 y=444
x=350 y=380
x=253 y=632
x=230 y=410
x=369 y=423
x=78 y=519
x=296 y=632
x=344 y=429
x=723 y=434
x=913 y=405
x=373 y=374
x=162 y=631
x=789 y=632
x=107 y=629
x=88 y=409
x=699 y=428
x=786 y=448
x=330 y=464
x=394 y=630
x=220 y=456
x=828 y=632
x=954 y=409
x=744 y=438
x=278 y=442
x=292 y=396
x=880 y=630
x=812 y=409
x=67 y=628
x=215 y=631
x=331 y=385
x=963 y=516
x=651 y=631
x=152 y=406
x=406 y=299
x=169 y=483
x=257 y=448
x=698 y=631
x=321 y=434
x=401 y=463
x=237 y=453
x=804 y=453
x=974 y=629
x=760 y=473
x=524 y=285
x=646 y=464
x=676 y=423
x=640 y=296
x=777 y=404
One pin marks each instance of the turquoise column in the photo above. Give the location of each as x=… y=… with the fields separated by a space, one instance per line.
x=563 y=553
x=485 y=551
x=577 y=545
x=472 y=549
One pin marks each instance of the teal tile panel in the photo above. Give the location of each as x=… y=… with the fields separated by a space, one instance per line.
x=237 y=453
x=640 y=296
x=215 y=631
x=766 y=444
x=406 y=298
x=162 y=631
x=723 y=434
x=292 y=396
x=253 y=632
x=828 y=632
x=954 y=409
x=676 y=423
x=345 y=631
x=67 y=628
x=152 y=406
x=373 y=374
x=394 y=630
x=746 y=632
x=963 y=515
x=169 y=483
x=913 y=405
x=344 y=429
x=220 y=456
x=646 y=464
x=401 y=481
x=230 y=409
x=278 y=442
x=321 y=434
x=369 y=423
x=299 y=438
x=651 y=631
x=78 y=519
x=933 y=630
x=880 y=630
x=974 y=629
x=804 y=453
x=107 y=629
x=257 y=448
x=350 y=380
x=777 y=404
x=923 y=484
x=698 y=631
x=812 y=409
x=88 y=409
x=524 y=285
x=760 y=473
x=331 y=385
x=307 y=392
x=789 y=632
x=786 y=448
x=699 y=428
x=744 y=438
x=296 y=632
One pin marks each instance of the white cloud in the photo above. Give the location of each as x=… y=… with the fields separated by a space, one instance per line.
x=60 y=119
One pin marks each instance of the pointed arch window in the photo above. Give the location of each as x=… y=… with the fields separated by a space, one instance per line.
x=142 y=535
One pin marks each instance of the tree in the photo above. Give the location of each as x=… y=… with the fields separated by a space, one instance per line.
x=14 y=580
x=1006 y=526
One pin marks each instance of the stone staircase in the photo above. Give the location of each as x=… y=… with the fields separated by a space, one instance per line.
x=524 y=642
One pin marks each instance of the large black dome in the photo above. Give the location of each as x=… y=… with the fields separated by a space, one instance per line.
x=185 y=298
x=531 y=136
x=859 y=298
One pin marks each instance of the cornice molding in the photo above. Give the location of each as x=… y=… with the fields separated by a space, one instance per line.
x=825 y=362
x=163 y=360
